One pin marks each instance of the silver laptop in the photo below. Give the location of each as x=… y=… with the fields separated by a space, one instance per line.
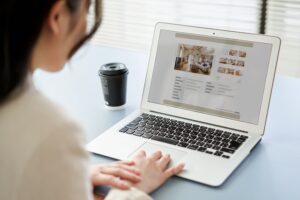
x=205 y=101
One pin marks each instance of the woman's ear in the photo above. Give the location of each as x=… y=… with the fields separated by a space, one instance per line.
x=55 y=20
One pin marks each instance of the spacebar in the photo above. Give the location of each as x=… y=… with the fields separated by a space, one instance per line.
x=166 y=140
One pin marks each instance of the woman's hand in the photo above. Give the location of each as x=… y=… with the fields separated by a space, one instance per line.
x=119 y=175
x=154 y=171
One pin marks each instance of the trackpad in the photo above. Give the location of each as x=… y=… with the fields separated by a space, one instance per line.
x=149 y=148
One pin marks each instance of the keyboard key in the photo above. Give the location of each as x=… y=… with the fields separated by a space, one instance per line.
x=225 y=156
x=241 y=140
x=192 y=137
x=218 y=134
x=215 y=143
x=244 y=136
x=165 y=140
x=130 y=131
x=169 y=136
x=147 y=130
x=155 y=132
x=140 y=128
x=182 y=144
x=184 y=139
x=208 y=145
x=200 y=143
x=216 y=147
x=208 y=141
x=210 y=137
x=192 y=141
x=180 y=129
x=195 y=133
x=142 y=124
x=227 y=150
x=225 y=135
x=177 y=138
x=138 y=133
x=192 y=146
x=177 y=132
x=171 y=132
x=161 y=134
x=223 y=144
x=180 y=123
x=202 y=149
x=123 y=130
x=165 y=126
x=209 y=152
x=200 y=138
x=218 y=153
x=233 y=138
x=187 y=131
x=185 y=135
x=235 y=135
x=211 y=130
x=131 y=126
x=147 y=135
x=234 y=145
x=151 y=123
x=149 y=127
x=225 y=140
x=163 y=129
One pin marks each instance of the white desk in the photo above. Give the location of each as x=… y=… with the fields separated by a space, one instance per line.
x=272 y=171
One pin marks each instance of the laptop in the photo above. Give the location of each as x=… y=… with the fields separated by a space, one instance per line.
x=205 y=101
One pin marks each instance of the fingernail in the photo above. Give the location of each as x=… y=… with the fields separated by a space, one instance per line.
x=125 y=184
x=138 y=172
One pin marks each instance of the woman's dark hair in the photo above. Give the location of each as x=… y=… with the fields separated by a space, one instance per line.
x=21 y=23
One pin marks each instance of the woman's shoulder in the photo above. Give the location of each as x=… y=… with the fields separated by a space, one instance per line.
x=50 y=147
x=31 y=114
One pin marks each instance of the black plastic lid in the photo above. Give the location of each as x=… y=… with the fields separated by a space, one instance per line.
x=111 y=69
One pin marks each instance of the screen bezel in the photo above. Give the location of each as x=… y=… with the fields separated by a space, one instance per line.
x=202 y=117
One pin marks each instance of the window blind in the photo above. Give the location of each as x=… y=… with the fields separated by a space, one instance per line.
x=283 y=20
x=130 y=23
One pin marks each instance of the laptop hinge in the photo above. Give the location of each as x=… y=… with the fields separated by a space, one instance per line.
x=198 y=121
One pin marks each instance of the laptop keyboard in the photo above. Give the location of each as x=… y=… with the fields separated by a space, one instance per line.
x=187 y=135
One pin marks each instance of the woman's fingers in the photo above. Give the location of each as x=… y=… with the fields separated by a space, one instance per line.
x=105 y=179
x=155 y=156
x=121 y=173
x=164 y=161
x=141 y=153
x=132 y=169
x=173 y=170
x=125 y=162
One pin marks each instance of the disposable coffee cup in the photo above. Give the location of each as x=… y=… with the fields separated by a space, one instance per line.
x=114 y=83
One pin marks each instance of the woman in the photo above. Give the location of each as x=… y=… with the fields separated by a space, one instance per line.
x=41 y=148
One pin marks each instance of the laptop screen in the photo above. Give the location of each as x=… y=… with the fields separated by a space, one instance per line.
x=211 y=75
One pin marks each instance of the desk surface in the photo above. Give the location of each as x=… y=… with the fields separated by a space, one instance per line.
x=272 y=171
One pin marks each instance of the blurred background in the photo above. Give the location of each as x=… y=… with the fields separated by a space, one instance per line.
x=129 y=24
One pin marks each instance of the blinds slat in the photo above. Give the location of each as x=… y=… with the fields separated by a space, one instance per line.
x=283 y=21
x=130 y=23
